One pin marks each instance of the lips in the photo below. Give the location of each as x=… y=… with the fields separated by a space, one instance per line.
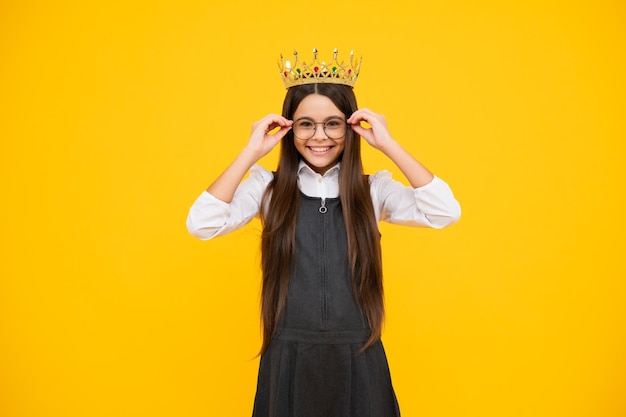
x=319 y=149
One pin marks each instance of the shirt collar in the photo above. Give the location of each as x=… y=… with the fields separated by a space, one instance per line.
x=303 y=166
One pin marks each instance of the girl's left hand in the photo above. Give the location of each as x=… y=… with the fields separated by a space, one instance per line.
x=378 y=134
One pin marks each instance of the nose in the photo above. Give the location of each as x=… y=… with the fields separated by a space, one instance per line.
x=319 y=132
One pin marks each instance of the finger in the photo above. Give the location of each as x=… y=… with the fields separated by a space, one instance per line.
x=362 y=131
x=271 y=122
x=355 y=117
x=277 y=128
x=280 y=133
x=283 y=121
x=362 y=111
x=274 y=118
x=361 y=123
x=363 y=115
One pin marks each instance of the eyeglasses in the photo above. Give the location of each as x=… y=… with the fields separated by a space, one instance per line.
x=335 y=128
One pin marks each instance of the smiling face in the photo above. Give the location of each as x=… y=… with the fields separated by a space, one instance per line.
x=320 y=152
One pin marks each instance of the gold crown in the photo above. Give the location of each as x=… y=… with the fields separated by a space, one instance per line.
x=335 y=72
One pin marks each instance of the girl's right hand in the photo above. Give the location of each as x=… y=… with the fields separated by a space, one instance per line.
x=261 y=141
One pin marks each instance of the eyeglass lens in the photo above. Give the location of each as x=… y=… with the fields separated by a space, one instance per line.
x=335 y=128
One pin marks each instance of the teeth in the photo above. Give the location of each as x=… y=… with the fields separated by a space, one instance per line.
x=324 y=149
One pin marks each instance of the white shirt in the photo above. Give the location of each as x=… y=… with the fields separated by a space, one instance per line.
x=432 y=205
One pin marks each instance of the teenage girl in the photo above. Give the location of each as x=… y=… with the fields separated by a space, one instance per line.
x=322 y=294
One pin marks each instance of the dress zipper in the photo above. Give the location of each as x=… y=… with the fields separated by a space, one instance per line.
x=323 y=208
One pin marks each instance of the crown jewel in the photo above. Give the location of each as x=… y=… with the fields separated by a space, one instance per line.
x=334 y=72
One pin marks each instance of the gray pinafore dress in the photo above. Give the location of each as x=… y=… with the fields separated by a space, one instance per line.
x=311 y=368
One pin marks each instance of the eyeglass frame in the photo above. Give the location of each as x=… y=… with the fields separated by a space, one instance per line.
x=323 y=127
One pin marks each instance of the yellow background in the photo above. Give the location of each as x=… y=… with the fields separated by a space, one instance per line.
x=115 y=115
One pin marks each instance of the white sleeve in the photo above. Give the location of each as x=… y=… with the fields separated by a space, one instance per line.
x=210 y=217
x=432 y=205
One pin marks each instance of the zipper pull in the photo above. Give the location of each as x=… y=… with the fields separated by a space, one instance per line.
x=323 y=208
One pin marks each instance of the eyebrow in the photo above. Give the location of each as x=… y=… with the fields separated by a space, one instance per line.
x=325 y=120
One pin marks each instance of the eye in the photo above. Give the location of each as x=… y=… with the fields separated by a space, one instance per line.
x=305 y=124
x=334 y=123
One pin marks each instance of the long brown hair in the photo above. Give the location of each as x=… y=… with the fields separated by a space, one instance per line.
x=279 y=221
